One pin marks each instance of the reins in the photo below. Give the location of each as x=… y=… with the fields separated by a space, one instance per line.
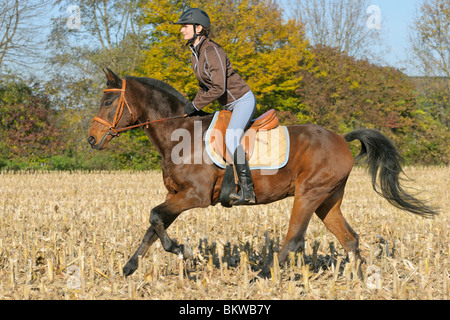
x=112 y=130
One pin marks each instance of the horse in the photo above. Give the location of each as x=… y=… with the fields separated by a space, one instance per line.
x=320 y=162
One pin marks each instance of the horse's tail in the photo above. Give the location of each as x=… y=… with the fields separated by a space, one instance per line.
x=382 y=156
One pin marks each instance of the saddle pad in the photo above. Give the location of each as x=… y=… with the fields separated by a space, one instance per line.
x=270 y=152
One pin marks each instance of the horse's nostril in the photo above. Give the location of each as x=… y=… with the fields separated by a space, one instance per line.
x=91 y=140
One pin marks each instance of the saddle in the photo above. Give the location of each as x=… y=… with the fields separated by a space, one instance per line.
x=267 y=121
x=265 y=142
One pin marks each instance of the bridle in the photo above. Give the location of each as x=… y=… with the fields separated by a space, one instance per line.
x=112 y=127
x=112 y=130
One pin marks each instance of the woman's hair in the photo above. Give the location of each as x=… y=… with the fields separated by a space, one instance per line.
x=205 y=31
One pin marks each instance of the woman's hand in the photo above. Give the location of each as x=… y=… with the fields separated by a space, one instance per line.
x=189 y=109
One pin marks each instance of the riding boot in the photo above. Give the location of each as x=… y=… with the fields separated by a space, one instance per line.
x=246 y=194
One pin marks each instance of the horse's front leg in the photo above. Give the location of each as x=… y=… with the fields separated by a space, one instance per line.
x=161 y=218
x=149 y=238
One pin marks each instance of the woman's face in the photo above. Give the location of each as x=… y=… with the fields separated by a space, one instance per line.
x=188 y=31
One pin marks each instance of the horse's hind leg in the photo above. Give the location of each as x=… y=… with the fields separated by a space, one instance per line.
x=305 y=203
x=163 y=215
x=330 y=213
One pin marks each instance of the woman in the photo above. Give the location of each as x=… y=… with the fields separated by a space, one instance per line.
x=218 y=81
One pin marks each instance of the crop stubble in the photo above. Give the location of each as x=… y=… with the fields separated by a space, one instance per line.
x=67 y=235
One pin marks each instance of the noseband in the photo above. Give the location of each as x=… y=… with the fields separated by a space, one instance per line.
x=112 y=127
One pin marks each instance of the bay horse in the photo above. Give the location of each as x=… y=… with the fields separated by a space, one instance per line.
x=316 y=173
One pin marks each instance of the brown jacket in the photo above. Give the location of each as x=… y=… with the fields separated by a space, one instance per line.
x=217 y=79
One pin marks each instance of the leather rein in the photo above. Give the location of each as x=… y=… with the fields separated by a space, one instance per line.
x=112 y=127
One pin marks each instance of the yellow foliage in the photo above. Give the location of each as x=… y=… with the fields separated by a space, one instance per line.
x=266 y=51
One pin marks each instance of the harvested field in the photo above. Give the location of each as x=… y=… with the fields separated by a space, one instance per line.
x=67 y=236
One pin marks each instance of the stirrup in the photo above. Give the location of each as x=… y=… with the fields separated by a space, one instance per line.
x=238 y=198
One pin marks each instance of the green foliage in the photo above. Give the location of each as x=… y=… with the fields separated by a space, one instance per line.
x=133 y=150
x=36 y=136
x=27 y=122
x=45 y=126
x=343 y=94
x=428 y=142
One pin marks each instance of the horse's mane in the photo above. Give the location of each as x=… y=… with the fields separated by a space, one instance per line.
x=161 y=85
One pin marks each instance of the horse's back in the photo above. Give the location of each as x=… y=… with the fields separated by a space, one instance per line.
x=318 y=148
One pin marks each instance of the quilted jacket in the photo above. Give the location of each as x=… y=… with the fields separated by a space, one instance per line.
x=216 y=76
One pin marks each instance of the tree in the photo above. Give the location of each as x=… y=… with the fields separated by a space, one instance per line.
x=27 y=122
x=430 y=50
x=428 y=142
x=109 y=35
x=20 y=40
x=430 y=40
x=265 y=50
x=343 y=94
x=341 y=24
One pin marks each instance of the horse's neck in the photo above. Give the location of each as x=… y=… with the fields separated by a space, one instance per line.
x=156 y=109
x=166 y=135
x=154 y=106
x=158 y=105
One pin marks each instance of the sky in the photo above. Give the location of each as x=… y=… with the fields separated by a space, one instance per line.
x=396 y=18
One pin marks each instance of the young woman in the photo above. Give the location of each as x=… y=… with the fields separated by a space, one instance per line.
x=218 y=81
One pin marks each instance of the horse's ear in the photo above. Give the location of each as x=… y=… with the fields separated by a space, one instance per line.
x=113 y=80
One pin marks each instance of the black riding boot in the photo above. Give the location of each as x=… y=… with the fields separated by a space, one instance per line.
x=246 y=193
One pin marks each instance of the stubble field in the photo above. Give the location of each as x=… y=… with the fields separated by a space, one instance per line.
x=68 y=235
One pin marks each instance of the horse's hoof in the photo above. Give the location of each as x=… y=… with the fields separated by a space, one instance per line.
x=263 y=274
x=129 y=268
x=187 y=252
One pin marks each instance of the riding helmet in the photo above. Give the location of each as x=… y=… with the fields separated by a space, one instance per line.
x=195 y=16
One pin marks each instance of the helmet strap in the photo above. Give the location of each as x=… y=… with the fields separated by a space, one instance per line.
x=192 y=40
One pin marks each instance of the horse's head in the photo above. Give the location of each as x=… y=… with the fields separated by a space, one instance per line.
x=114 y=113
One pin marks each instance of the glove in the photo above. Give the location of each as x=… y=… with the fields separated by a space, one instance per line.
x=189 y=108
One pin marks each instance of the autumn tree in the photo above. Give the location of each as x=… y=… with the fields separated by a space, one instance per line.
x=27 y=122
x=267 y=51
x=108 y=34
x=430 y=38
x=428 y=142
x=343 y=94
x=85 y=37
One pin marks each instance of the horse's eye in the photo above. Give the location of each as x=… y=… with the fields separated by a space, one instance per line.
x=108 y=103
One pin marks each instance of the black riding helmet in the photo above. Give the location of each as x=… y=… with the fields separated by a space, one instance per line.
x=195 y=17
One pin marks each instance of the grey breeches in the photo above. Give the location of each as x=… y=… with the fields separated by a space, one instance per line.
x=242 y=112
